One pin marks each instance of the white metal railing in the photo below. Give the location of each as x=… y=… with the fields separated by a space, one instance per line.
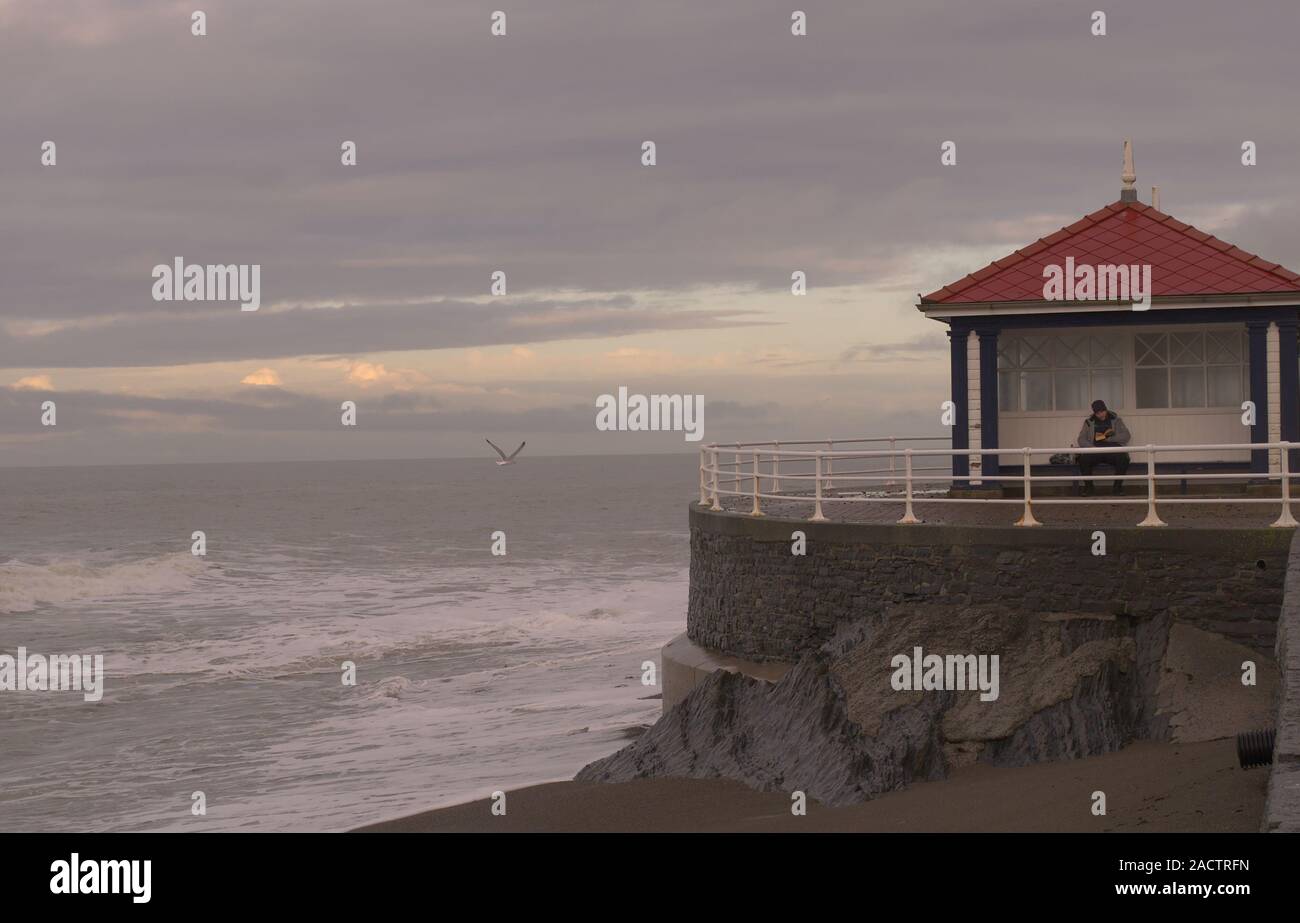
x=725 y=469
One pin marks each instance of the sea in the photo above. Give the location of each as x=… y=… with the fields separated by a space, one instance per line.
x=225 y=706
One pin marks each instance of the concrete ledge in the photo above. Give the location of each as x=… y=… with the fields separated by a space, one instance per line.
x=684 y=665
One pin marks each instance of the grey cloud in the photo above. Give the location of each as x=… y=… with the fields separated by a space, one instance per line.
x=234 y=334
x=280 y=410
x=476 y=154
x=924 y=347
x=522 y=153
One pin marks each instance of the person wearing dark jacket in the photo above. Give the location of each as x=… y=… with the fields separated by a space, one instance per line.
x=1103 y=428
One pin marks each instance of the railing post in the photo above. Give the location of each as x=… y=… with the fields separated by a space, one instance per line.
x=830 y=459
x=704 y=490
x=716 y=507
x=776 y=469
x=1286 y=520
x=817 y=508
x=908 y=516
x=1027 y=518
x=1152 y=519
x=755 y=511
x=893 y=447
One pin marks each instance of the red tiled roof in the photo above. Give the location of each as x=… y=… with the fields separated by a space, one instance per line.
x=1184 y=261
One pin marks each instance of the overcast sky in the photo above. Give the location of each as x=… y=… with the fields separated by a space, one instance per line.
x=522 y=153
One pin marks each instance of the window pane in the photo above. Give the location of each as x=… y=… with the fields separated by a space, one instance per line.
x=1034 y=353
x=1107 y=350
x=1108 y=385
x=1188 y=386
x=1151 y=348
x=1225 y=386
x=1223 y=347
x=1187 y=349
x=1071 y=352
x=1152 y=388
x=1036 y=390
x=1007 y=390
x=1072 y=390
x=1008 y=349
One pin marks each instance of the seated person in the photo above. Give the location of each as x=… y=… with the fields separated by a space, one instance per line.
x=1103 y=428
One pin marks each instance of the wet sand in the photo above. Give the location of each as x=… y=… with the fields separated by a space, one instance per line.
x=1150 y=787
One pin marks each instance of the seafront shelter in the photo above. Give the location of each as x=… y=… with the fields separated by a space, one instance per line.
x=804 y=575
x=1215 y=328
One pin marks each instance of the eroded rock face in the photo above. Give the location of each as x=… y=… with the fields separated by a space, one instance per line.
x=1070 y=685
x=793 y=734
x=1201 y=693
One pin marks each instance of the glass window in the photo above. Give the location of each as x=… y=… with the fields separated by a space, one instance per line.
x=1187 y=385
x=1153 y=387
x=1035 y=352
x=1070 y=352
x=1107 y=349
x=1036 y=390
x=1045 y=372
x=1151 y=349
x=1072 y=389
x=1225 y=385
x=1190 y=368
x=1108 y=385
x=1007 y=396
x=1187 y=348
x=1225 y=347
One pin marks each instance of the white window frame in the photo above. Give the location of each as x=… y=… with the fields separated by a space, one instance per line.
x=1171 y=363
x=1128 y=343
x=1053 y=339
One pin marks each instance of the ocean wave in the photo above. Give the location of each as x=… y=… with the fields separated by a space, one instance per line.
x=387 y=689
x=25 y=587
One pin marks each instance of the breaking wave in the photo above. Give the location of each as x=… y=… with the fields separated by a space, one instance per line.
x=25 y=587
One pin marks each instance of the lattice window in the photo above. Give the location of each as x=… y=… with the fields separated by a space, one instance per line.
x=1044 y=372
x=1190 y=369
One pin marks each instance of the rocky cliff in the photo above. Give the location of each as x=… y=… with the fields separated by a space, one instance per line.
x=835 y=727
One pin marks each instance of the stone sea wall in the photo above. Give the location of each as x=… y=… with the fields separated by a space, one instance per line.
x=750 y=597
x=1146 y=642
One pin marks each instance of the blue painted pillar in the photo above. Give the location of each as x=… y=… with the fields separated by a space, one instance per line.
x=1257 y=333
x=961 y=419
x=989 y=403
x=1289 y=380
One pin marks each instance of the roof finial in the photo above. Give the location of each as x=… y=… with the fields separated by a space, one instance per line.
x=1129 y=192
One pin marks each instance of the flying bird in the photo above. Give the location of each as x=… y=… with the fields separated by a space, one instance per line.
x=506 y=459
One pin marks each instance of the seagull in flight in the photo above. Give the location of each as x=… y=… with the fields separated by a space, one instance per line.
x=506 y=459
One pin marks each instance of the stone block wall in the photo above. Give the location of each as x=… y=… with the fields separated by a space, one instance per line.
x=751 y=597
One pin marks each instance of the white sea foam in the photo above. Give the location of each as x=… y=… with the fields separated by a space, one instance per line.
x=526 y=627
x=474 y=673
x=25 y=587
x=387 y=689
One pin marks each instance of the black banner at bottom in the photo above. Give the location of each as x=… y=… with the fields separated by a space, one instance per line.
x=920 y=872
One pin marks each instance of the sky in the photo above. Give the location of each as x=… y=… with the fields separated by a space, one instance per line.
x=522 y=154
